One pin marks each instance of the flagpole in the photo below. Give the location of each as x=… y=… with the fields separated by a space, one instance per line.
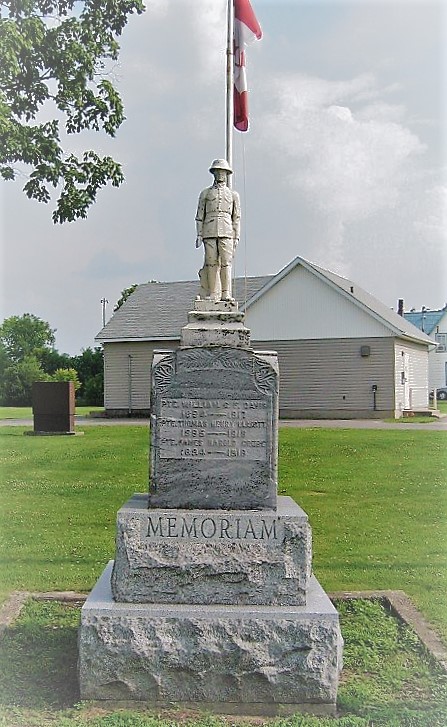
x=230 y=85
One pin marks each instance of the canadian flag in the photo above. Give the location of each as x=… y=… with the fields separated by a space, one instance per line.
x=246 y=30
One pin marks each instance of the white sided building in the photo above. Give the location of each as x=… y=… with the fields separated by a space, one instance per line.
x=342 y=353
x=434 y=324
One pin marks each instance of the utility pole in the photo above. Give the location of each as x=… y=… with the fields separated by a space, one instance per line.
x=104 y=302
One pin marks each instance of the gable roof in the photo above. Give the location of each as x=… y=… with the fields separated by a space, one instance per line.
x=157 y=311
x=350 y=290
x=425 y=320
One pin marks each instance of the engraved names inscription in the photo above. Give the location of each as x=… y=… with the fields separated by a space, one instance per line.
x=213 y=429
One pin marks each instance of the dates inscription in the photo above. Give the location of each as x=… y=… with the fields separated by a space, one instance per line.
x=213 y=429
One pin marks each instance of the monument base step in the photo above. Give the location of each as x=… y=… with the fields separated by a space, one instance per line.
x=234 y=557
x=208 y=333
x=246 y=657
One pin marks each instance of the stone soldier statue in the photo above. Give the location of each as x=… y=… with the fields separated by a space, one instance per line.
x=218 y=225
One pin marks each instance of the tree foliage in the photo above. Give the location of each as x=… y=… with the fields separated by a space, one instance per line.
x=27 y=354
x=124 y=295
x=90 y=367
x=51 y=360
x=17 y=379
x=26 y=335
x=67 y=375
x=56 y=52
x=4 y=358
x=94 y=390
x=128 y=292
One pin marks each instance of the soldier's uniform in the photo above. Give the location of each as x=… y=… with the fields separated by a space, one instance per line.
x=218 y=224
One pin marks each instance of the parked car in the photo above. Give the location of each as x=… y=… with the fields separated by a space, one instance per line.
x=441 y=393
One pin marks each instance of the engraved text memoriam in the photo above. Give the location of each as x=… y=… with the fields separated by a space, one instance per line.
x=212 y=527
x=213 y=429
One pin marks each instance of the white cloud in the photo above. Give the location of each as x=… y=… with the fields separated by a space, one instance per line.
x=382 y=112
x=210 y=36
x=341 y=112
x=157 y=8
x=431 y=222
x=176 y=43
x=299 y=91
x=349 y=161
x=374 y=92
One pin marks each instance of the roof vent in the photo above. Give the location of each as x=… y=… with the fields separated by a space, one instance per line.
x=352 y=288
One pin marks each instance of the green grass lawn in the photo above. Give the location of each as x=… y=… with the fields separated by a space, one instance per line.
x=26 y=412
x=376 y=501
x=16 y=412
x=59 y=497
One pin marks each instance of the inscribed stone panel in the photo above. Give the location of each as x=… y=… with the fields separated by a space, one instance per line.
x=214 y=429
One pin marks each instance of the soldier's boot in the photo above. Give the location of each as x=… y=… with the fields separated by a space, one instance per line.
x=225 y=277
x=211 y=271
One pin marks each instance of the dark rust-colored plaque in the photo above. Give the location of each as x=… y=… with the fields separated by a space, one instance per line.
x=54 y=406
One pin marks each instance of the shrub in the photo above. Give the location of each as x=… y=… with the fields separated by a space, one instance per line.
x=67 y=375
x=94 y=391
x=17 y=381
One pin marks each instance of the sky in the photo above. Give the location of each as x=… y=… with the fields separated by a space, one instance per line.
x=344 y=163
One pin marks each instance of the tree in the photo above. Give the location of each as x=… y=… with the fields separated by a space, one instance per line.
x=24 y=336
x=124 y=295
x=17 y=381
x=127 y=292
x=51 y=360
x=4 y=358
x=90 y=367
x=94 y=391
x=55 y=52
x=27 y=354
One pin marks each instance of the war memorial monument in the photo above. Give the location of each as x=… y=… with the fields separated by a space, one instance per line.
x=211 y=601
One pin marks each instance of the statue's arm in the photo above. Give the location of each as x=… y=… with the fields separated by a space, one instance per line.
x=200 y=216
x=236 y=217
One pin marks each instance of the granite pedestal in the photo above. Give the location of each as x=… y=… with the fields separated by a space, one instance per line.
x=215 y=324
x=212 y=556
x=247 y=659
x=211 y=601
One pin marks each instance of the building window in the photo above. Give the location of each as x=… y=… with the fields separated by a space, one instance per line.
x=441 y=340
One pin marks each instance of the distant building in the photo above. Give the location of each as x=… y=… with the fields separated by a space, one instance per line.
x=342 y=353
x=434 y=324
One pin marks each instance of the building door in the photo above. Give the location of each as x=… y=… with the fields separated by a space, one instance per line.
x=406 y=381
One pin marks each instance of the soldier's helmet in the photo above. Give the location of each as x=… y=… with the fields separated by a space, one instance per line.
x=221 y=164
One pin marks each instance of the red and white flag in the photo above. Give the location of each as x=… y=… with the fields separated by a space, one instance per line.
x=246 y=30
